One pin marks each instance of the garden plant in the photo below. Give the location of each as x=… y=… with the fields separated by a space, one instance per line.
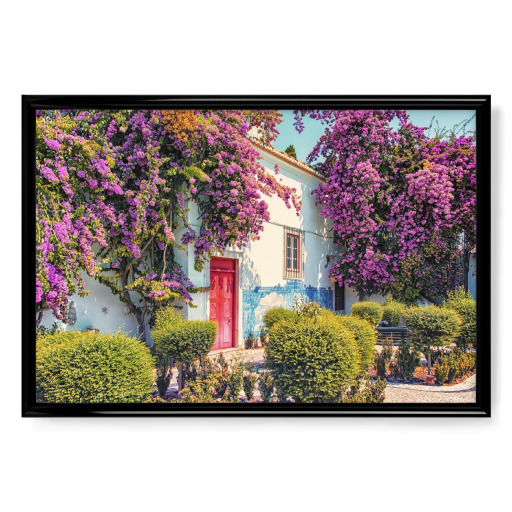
x=432 y=327
x=180 y=339
x=84 y=367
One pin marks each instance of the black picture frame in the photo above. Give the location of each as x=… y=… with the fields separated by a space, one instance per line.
x=480 y=103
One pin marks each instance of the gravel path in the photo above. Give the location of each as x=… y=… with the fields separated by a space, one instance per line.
x=465 y=392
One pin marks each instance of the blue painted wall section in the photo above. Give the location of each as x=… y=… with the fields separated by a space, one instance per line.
x=255 y=301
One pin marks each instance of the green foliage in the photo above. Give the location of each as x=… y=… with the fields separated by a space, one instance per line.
x=405 y=362
x=455 y=365
x=221 y=368
x=263 y=336
x=365 y=336
x=249 y=384
x=383 y=357
x=290 y=150
x=266 y=386
x=226 y=376
x=432 y=326
x=41 y=330
x=312 y=360
x=199 y=391
x=369 y=311
x=442 y=372
x=365 y=391
x=83 y=367
x=306 y=308
x=392 y=312
x=236 y=376
x=250 y=341
x=183 y=340
x=156 y=399
x=163 y=373
x=274 y=315
x=465 y=306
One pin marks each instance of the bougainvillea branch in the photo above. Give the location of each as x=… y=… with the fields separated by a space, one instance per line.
x=399 y=201
x=113 y=187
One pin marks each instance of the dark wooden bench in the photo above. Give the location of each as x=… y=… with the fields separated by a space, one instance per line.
x=397 y=334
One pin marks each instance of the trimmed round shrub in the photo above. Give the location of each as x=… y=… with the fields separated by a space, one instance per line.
x=392 y=312
x=83 y=367
x=431 y=327
x=369 y=311
x=275 y=315
x=312 y=361
x=183 y=340
x=465 y=306
x=365 y=335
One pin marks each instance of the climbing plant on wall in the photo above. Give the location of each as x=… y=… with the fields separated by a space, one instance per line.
x=400 y=201
x=113 y=187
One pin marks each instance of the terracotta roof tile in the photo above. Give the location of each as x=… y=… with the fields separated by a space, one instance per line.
x=289 y=159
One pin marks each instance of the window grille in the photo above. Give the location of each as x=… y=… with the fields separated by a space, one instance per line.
x=293 y=253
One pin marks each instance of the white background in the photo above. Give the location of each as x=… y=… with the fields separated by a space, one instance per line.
x=263 y=47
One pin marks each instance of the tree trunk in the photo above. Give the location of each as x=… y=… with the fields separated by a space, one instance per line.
x=141 y=326
x=39 y=318
x=360 y=297
x=429 y=359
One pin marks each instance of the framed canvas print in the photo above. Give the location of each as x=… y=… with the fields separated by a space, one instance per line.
x=256 y=255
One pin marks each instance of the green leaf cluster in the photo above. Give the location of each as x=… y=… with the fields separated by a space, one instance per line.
x=312 y=361
x=370 y=311
x=454 y=365
x=275 y=315
x=392 y=311
x=181 y=339
x=83 y=367
x=432 y=326
x=465 y=306
x=364 y=333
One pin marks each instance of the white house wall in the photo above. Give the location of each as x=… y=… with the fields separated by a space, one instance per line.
x=261 y=284
x=100 y=309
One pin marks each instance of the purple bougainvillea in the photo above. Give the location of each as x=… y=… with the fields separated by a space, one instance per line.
x=399 y=201
x=113 y=185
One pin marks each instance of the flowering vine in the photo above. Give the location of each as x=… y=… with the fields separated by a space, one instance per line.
x=113 y=188
x=399 y=201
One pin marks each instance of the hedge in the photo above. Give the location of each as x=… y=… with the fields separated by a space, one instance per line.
x=365 y=335
x=312 y=361
x=392 y=311
x=465 y=306
x=274 y=315
x=84 y=367
x=431 y=327
x=180 y=339
x=369 y=311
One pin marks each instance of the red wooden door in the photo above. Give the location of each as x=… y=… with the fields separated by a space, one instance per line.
x=222 y=301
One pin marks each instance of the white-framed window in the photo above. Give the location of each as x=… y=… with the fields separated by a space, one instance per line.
x=293 y=253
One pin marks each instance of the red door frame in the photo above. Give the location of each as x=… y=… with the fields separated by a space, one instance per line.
x=227 y=266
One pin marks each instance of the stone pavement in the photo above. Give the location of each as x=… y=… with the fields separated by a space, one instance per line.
x=465 y=392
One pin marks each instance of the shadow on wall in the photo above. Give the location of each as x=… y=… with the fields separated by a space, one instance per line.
x=249 y=276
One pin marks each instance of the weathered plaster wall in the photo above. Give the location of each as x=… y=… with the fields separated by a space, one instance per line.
x=262 y=283
x=101 y=309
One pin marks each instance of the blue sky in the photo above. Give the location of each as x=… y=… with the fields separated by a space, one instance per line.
x=304 y=142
